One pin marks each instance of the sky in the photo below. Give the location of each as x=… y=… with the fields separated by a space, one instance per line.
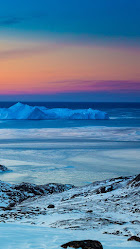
x=74 y=50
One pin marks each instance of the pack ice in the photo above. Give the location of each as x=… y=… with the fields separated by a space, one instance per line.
x=24 y=111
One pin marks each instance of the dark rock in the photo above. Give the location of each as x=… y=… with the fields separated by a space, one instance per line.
x=136 y=181
x=103 y=190
x=116 y=232
x=3 y=168
x=15 y=194
x=42 y=189
x=136 y=238
x=84 y=244
x=119 y=178
x=51 y=206
x=10 y=206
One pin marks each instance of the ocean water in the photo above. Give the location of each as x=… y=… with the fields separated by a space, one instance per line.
x=72 y=151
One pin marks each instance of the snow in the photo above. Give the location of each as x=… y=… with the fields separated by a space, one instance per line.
x=111 y=211
x=23 y=111
x=10 y=195
x=27 y=237
x=107 y=211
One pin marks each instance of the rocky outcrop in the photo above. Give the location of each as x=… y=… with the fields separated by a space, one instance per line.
x=51 y=206
x=136 y=238
x=3 y=169
x=111 y=206
x=84 y=244
x=42 y=189
x=135 y=182
x=14 y=194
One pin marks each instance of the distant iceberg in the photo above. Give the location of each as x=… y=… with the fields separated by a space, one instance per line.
x=23 y=111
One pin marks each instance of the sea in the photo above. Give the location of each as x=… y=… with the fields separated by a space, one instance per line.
x=71 y=151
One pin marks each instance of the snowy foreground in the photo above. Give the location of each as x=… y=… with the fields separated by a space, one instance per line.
x=13 y=236
x=46 y=216
x=23 y=111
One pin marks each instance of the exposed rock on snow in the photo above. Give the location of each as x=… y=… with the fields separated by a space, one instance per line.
x=84 y=244
x=51 y=206
x=11 y=195
x=110 y=206
x=23 y=111
x=3 y=169
x=136 y=181
x=136 y=238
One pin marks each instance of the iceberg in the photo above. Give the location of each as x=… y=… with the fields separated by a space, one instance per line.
x=24 y=111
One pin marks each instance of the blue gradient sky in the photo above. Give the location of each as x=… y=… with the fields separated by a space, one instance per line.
x=70 y=50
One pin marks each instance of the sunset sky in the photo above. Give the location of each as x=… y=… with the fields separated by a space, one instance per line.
x=77 y=50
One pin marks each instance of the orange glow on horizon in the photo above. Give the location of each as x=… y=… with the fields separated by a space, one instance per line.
x=51 y=68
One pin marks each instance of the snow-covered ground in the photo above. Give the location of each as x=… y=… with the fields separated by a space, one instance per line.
x=13 y=236
x=106 y=210
x=23 y=111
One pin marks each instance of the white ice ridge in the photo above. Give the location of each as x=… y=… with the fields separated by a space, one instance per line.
x=23 y=111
